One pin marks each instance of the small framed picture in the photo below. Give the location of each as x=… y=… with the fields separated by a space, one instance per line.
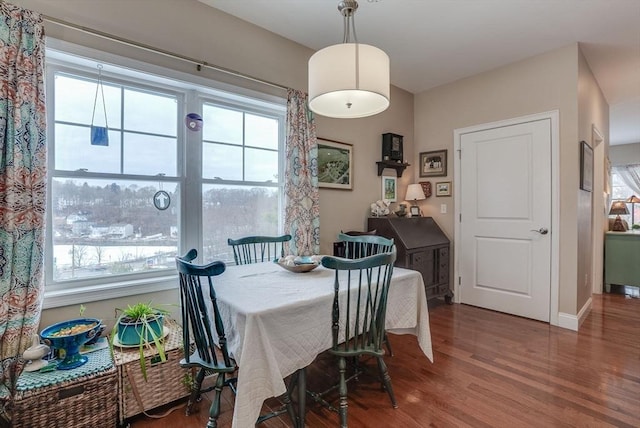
x=433 y=164
x=390 y=188
x=415 y=211
x=443 y=188
x=586 y=166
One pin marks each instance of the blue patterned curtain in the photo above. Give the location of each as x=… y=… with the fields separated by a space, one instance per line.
x=23 y=161
x=302 y=212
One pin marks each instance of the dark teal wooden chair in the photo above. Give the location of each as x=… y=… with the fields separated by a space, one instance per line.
x=210 y=356
x=256 y=249
x=363 y=245
x=359 y=316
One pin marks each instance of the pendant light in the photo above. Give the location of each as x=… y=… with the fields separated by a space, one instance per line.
x=351 y=79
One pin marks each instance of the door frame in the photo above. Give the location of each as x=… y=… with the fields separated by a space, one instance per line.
x=553 y=116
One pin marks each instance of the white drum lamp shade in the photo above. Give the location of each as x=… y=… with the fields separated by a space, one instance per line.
x=349 y=80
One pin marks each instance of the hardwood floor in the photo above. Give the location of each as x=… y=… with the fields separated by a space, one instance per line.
x=490 y=370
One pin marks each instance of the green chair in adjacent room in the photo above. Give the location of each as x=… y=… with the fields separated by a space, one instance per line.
x=256 y=249
x=359 y=315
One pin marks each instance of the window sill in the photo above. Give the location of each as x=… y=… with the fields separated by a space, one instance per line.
x=113 y=290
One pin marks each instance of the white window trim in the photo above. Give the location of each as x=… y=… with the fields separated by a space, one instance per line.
x=86 y=58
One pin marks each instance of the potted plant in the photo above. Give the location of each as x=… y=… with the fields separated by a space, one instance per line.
x=140 y=325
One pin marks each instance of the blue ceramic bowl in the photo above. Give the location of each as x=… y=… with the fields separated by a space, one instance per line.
x=68 y=343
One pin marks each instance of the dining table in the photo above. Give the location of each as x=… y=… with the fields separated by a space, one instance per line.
x=277 y=322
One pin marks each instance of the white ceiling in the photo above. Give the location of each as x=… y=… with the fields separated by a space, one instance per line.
x=433 y=42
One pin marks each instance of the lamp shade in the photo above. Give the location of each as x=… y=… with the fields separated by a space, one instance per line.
x=414 y=193
x=633 y=199
x=349 y=80
x=619 y=208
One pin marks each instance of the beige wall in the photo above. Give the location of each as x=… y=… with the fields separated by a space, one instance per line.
x=194 y=30
x=538 y=84
x=593 y=111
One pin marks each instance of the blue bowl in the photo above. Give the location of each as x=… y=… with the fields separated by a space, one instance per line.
x=68 y=343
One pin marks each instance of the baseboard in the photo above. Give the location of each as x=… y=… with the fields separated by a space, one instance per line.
x=572 y=322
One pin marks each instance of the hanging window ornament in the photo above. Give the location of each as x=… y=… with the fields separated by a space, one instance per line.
x=99 y=134
x=161 y=200
x=193 y=121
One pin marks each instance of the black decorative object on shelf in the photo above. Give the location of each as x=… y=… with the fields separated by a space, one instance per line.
x=392 y=147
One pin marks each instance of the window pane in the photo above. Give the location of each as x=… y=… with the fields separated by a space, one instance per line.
x=74 y=99
x=220 y=161
x=150 y=155
x=73 y=150
x=102 y=227
x=261 y=165
x=147 y=112
x=261 y=132
x=234 y=212
x=221 y=125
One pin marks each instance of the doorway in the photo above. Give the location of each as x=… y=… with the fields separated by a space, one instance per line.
x=506 y=209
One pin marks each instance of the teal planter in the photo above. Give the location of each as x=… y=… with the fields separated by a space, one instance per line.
x=132 y=333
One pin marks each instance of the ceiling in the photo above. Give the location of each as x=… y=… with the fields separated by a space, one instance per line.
x=434 y=42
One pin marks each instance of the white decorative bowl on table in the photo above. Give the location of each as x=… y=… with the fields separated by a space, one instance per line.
x=299 y=264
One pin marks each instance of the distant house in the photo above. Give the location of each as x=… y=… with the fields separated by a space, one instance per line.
x=120 y=231
x=74 y=218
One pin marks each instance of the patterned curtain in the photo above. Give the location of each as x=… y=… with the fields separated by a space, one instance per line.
x=302 y=212
x=23 y=161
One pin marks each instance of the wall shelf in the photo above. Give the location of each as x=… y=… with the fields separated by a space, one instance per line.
x=399 y=167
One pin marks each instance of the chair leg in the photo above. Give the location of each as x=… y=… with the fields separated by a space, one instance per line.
x=342 y=364
x=195 y=391
x=214 y=410
x=287 y=398
x=386 y=380
x=388 y=344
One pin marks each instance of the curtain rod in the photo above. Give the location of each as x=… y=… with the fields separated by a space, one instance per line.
x=122 y=40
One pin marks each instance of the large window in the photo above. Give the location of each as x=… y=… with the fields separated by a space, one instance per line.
x=222 y=181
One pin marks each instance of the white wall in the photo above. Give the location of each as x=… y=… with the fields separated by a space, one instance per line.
x=624 y=154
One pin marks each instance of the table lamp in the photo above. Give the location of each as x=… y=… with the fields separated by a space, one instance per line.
x=618 y=208
x=633 y=200
x=414 y=194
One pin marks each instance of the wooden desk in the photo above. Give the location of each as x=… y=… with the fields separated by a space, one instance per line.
x=622 y=258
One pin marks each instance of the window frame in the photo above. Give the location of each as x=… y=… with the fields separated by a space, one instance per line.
x=191 y=93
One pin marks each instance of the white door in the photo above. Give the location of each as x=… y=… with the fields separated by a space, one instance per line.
x=505 y=207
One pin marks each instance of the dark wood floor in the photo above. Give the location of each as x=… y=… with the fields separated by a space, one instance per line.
x=490 y=370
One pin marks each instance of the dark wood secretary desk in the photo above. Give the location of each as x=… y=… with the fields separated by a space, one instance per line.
x=421 y=246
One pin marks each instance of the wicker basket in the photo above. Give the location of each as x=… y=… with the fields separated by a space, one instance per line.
x=166 y=381
x=84 y=397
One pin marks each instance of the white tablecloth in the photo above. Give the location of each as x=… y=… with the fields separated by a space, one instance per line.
x=278 y=322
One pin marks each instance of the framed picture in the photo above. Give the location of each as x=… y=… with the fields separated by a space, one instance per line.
x=586 y=166
x=390 y=188
x=335 y=164
x=415 y=211
x=433 y=164
x=443 y=188
x=426 y=188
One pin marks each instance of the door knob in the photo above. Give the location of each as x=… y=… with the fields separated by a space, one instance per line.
x=541 y=231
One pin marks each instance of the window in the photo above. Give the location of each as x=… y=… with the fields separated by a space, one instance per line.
x=620 y=190
x=104 y=230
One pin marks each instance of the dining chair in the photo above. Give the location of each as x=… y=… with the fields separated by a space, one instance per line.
x=255 y=249
x=358 y=315
x=357 y=246
x=210 y=354
x=363 y=245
